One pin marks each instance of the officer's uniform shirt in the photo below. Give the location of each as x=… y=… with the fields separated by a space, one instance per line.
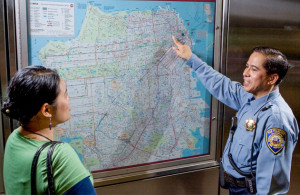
x=276 y=130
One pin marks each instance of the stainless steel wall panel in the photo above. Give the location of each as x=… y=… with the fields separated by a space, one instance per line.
x=3 y=77
x=11 y=37
x=8 y=56
x=8 y=69
x=200 y=182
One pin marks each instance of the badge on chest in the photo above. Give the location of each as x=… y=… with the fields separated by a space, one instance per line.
x=250 y=124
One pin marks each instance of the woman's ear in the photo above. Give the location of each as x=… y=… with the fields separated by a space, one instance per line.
x=46 y=110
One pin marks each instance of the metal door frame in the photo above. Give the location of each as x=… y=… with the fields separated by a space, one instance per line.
x=8 y=69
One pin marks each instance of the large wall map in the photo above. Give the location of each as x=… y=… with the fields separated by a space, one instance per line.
x=133 y=101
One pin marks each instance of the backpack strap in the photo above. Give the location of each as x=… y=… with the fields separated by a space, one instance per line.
x=33 y=167
x=49 y=175
x=51 y=189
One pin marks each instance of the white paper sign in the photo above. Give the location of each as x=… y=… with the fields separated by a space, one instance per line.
x=51 y=19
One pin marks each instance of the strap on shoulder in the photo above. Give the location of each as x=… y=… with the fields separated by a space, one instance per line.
x=34 y=163
x=51 y=189
x=33 y=166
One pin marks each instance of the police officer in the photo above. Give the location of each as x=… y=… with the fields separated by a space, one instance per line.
x=258 y=153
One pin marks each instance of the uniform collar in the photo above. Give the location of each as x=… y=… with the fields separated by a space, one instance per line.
x=257 y=104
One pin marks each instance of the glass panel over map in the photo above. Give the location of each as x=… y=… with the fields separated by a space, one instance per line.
x=133 y=101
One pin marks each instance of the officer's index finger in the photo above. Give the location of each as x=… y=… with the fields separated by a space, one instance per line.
x=176 y=41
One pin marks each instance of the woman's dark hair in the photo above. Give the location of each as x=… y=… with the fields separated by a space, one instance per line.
x=276 y=62
x=28 y=90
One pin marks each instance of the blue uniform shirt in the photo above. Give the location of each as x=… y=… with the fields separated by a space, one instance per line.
x=276 y=130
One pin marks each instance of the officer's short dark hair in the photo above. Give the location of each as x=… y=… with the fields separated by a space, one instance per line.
x=28 y=90
x=276 y=62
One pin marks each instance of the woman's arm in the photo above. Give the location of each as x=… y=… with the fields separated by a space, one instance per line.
x=85 y=186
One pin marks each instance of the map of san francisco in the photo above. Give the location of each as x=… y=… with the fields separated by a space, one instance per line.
x=133 y=101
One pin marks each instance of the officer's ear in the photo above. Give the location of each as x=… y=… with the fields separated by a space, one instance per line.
x=272 y=79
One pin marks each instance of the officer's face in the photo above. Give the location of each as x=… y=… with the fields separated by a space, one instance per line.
x=255 y=76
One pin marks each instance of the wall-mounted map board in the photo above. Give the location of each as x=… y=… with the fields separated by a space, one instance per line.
x=134 y=104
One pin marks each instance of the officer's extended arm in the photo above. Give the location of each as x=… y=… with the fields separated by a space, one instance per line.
x=221 y=87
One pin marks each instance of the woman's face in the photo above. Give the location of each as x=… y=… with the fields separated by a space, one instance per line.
x=62 y=109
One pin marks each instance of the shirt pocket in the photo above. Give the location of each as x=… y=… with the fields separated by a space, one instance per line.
x=244 y=151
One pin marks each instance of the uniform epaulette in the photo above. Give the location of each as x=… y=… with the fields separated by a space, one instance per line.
x=266 y=107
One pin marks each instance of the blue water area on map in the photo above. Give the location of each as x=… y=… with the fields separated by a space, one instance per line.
x=201 y=146
x=194 y=21
x=204 y=94
x=69 y=140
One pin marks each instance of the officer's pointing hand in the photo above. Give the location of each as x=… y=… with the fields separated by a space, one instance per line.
x=183 y=51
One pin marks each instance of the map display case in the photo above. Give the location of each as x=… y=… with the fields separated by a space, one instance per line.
x=137 y=111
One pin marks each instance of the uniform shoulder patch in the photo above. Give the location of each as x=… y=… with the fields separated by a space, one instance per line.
x=276 y=139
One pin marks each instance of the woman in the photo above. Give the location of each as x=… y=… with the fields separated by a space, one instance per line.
x=38 y=99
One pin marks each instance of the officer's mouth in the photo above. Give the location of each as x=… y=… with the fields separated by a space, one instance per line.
x=246 y=83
